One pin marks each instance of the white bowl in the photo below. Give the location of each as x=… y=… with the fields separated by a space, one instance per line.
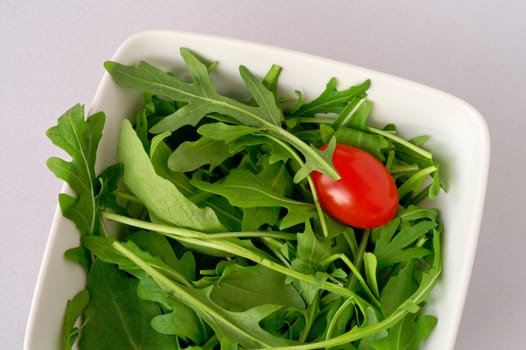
x=459 y=140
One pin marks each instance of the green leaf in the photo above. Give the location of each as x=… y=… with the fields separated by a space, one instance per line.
x=311 y=164
x=191 y=155
x=359 y=115
x=116 y=317
x=159 y=246
x=350 y=116
x=244 y=287
x=163 y=200
x=310 y=252
x=407 y=335
x=393 y=248
x=109 y=181
x=399 y=288
x=80 y=139
x=331 y=100
x=374 y=144
x=227 y=215
x=225 y=132
x=254 y=218
x=159 y=155
x=103 y=248
x=179 y=320
x=80 y=256
x=370 y=271
x=242 y=189
x=262 y=96
x=74 y=309
x=200 y=96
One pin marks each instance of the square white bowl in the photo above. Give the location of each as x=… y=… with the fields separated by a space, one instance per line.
x=459 y=140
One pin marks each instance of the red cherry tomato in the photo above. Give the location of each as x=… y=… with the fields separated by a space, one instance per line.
x=365 y=196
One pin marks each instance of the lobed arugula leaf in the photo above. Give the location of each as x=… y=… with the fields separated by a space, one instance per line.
x=331 y=100
x=396 y=246
x=310 y=252
x=80 y=139
x=178 y=319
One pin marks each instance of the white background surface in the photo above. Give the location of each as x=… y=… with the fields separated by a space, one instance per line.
x=51 y=57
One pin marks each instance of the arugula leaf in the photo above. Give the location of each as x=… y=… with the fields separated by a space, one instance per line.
x=79 y=138
x=354 y=114
x=159 y=246
x=179 y=319
x=163 y=200
x=242 y=188
x=103 y=248
x=74 y=309
x=225 y=132
x=393 y=248
x=374 y=144
x=370 y=271
x=275 y=177
x=159 y=155
x=310 y=252
x=262 y=96
x=330 y=100
x=243 y=287
x=191 y=155
x=79 y=255
x=407 y=335
x=399 y=288
x=117 y=318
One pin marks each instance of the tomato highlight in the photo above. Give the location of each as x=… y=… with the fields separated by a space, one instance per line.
x=365 y=196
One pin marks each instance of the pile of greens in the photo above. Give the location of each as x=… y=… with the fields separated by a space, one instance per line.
x=221 y=241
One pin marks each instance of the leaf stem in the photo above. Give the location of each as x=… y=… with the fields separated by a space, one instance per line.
x=275 y=248
x=356 y=273
x=402 y=141
x=311 y=315
x=336 y=316
x=178 y=231
x=359 y=256
x=415 y=179
x=128 y=197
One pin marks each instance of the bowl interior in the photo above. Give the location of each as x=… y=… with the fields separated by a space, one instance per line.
x=459 y=140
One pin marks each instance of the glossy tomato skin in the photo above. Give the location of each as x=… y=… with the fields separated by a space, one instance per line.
x=365 y=196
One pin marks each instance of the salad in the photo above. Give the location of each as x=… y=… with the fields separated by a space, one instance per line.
x=267 y=222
